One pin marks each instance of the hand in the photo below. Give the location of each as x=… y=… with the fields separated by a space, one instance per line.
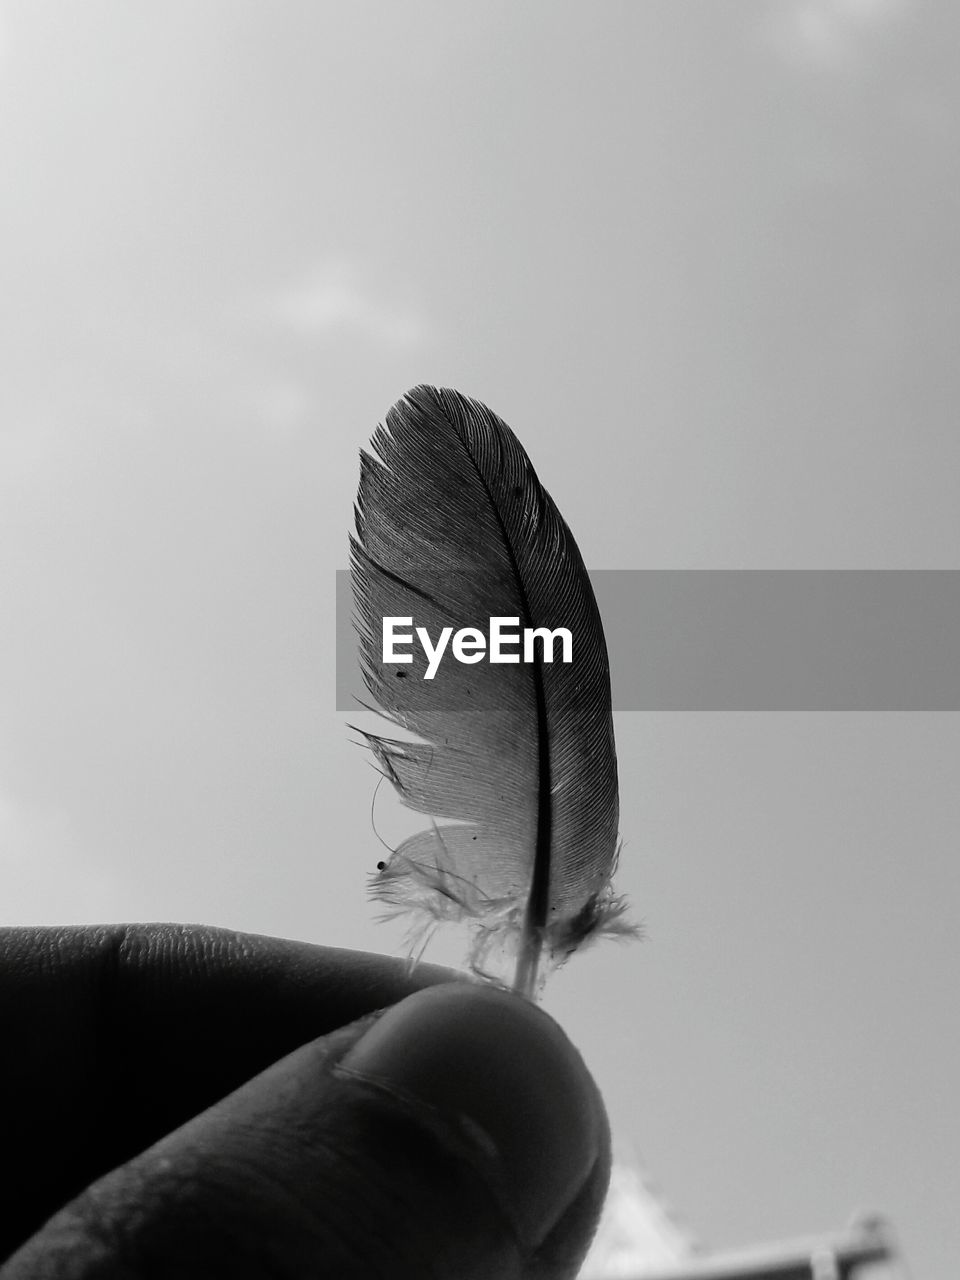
x=188 y=1102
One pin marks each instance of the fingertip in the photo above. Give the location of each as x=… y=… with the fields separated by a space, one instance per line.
x=503 y=1072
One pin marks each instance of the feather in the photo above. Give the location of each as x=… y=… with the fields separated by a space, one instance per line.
x=514 y=763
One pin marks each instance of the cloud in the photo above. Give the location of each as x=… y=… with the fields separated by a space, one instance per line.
x=829 y=35
x=282 y=407
x=332 y=300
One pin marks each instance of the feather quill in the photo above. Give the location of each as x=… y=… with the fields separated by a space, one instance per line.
x=515 y=763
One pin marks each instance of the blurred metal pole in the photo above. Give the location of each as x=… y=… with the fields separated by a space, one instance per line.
x=866 y=1242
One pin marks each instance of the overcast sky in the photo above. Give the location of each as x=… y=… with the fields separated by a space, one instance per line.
x=704 y=258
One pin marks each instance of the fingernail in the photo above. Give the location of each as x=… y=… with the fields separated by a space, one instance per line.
x=494 y=1063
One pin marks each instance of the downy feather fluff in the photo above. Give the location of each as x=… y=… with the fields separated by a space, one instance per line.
x=515 y=763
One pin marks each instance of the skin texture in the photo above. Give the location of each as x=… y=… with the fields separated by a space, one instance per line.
x=184 y=1101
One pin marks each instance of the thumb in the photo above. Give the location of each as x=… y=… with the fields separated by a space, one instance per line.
x=456 y=1136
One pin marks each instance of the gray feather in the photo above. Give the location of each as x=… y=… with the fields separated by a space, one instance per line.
x=453 y=528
